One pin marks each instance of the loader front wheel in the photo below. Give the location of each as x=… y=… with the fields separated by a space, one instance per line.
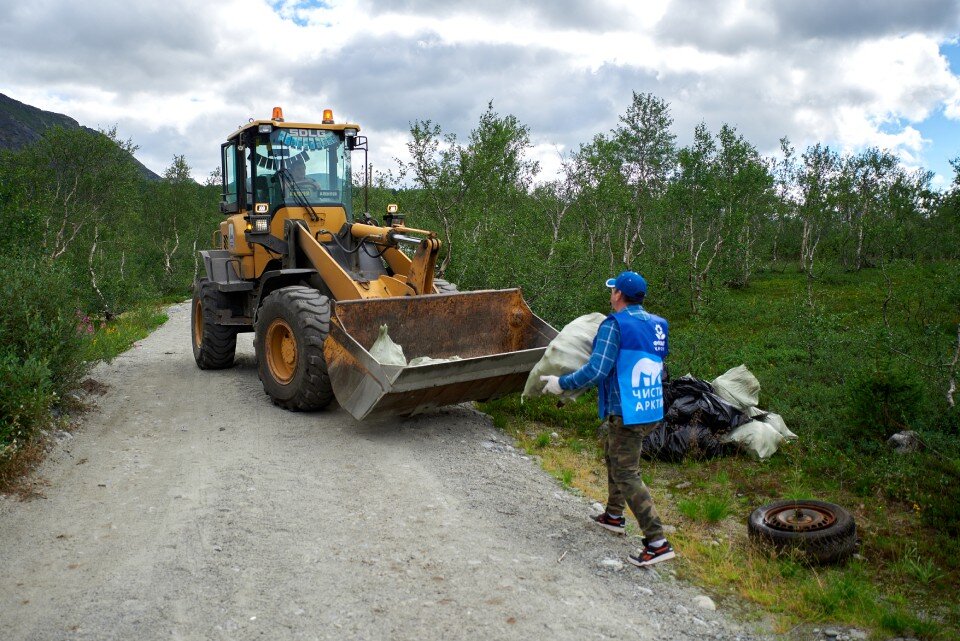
x=291 y=325
x=214 y=346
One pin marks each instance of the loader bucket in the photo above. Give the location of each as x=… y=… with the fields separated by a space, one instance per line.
x=495 y=334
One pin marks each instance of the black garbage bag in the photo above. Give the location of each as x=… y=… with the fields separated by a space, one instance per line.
x=673 y=443
x=684 y=386
x=665 y=443
x=691 y=401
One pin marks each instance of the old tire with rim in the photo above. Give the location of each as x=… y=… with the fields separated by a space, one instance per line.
x=291 y=325
x=817 y=531
x=214 y=346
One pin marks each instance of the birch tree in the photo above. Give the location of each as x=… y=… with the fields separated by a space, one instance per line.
x=694 y=200
x=436 y=168
x=647 y=158
x=744 y=189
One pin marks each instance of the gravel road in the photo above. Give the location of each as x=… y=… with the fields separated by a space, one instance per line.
x=187 y=506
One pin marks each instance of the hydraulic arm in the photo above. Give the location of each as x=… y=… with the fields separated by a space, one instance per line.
x=411 y=276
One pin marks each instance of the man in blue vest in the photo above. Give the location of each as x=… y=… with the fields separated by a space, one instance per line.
x=627 y=367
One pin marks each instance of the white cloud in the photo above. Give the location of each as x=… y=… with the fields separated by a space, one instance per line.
x=178 y=76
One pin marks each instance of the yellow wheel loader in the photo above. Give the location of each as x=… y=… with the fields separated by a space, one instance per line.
x=315 y=282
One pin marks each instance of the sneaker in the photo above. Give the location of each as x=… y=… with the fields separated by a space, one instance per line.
x=616 y=524
x=651 y=555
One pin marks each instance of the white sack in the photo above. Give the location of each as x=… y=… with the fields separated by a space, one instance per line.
x=427 y=360
x=775 y=421
x=757 y=437
x=386 y=352
x=739 y=387
x=568 y=352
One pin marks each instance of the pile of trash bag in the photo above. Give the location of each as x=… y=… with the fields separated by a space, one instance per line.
x=702 y=420
x=694 y=421
x=705 y=420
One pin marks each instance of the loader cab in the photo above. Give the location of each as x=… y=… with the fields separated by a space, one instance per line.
x=287 y=165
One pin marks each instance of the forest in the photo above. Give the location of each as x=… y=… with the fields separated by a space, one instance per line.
x=835 y=277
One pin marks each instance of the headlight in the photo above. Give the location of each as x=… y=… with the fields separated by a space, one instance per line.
x=260 y=224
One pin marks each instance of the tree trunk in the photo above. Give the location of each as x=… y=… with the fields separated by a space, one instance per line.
x=858 y=262
x=951 y=390
x=93 y=274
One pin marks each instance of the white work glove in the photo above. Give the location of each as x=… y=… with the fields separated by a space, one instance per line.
x=552 y=385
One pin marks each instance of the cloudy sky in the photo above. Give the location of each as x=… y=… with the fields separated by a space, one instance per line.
x=177 y=76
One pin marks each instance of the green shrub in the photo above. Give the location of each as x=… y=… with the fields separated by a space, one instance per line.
x=949 y=422
x=884 y=401
x=40 y=320
x=937 y=482
x=43 y=336
x=26 y=394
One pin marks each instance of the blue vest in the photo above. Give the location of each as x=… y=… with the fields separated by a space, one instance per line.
x=643 y=346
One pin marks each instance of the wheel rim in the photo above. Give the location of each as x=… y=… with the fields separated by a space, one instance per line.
x=281 y=350
x=198 y=322
x=800 y=518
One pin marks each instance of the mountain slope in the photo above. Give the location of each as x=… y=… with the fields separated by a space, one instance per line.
x=22 y=124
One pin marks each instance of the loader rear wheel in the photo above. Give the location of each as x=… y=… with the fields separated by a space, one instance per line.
x=214 y=346
x=291 y=325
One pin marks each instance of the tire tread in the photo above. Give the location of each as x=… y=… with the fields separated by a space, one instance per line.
x=830 y=545
x=310 y=310
x=218 y=346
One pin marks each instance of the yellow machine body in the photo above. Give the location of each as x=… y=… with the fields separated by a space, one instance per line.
x=290 y=244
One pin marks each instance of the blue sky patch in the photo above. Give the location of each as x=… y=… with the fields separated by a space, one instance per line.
x=952 y=52
x=294 y=9
x=943 y=143
x=941 y=133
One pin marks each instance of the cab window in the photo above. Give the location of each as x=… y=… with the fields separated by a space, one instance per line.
x=229 y=163
x=299 y=167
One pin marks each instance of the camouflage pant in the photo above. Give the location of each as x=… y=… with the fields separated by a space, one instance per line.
x=621 y=452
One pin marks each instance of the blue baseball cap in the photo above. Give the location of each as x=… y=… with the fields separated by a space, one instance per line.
x=631 y=284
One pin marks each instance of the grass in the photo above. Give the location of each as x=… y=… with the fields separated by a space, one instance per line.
x=119 y=334
x=710 y=516
x=710 y=509
x=808 y=363
x=913 y=566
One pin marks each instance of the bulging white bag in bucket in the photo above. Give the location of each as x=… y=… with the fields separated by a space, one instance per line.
x=569 y=351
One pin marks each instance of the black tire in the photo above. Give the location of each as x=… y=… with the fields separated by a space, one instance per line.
x=818 y=531
x=291 y=325
x=214 y=346
x=444 y=287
